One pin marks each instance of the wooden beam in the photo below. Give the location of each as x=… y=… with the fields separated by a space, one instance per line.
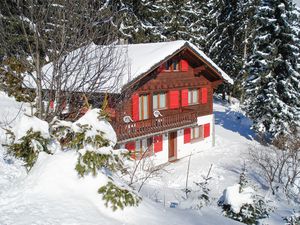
x=216 y=83
x=199 y=69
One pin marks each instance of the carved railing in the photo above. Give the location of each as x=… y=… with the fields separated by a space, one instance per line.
x=144 y=127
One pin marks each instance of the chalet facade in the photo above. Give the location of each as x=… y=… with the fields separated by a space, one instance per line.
x=168 y=108
x=162 y=104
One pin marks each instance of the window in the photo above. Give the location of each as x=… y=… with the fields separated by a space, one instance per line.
x=193 y=96
x=144 y=148
x=197 y=132
x=159 y=101
x=143 y=107
x=172 y=65
x=175 y=65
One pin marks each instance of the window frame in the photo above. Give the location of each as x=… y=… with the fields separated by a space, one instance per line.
x=191 y=93
x=172 y=65
x=142 y=108
x=159 y=107
x=140 y=150
x=201 y=133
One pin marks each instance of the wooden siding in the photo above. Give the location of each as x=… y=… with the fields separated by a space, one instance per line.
x=164 y=81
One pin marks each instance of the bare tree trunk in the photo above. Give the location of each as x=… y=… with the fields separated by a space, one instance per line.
x=39 y=88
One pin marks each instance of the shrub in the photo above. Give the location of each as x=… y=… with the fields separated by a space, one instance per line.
x=117 y=197
x=95 y=155
x=28 y=147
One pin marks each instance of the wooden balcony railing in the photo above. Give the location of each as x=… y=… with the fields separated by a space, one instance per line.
x=154 y=125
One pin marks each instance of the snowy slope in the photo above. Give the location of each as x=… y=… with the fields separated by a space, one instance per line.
x=52 y=194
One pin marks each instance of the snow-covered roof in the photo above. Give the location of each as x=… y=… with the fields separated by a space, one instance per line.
x=144 y=57
x=133 y=61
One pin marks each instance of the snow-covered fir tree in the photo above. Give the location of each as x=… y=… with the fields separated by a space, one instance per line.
x=150 y=21
x=139 y=21
x=183 y=20
x=228 y=37
x=272 y=97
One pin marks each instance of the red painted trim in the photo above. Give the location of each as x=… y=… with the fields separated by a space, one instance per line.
x=51 y=105
x=174 y=99
x=187 y=135
x=158 y=143
x=185 y=97
x=130 y=146
x=206 y=130
x=135 y=107
x=204 y=95
x=184 y=65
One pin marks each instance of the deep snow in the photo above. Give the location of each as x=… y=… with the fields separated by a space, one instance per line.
x=53 y=194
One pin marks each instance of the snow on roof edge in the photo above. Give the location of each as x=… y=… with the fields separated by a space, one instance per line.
x=180 y=45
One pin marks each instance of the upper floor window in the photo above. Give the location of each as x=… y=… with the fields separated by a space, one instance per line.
x=172 y=65
x=159 y=101
x=143 y=107
x=193 y=97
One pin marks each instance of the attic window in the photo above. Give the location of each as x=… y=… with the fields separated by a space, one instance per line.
x=171 y=65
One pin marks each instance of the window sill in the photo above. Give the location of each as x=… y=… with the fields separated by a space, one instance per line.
x=170 y=71
x=197 y=140
x=161 y=109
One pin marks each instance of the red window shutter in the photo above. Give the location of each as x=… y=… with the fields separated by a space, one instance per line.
x=206 y=130
x=204 y=95
x=135 y=107
x=174 y=99
x=185 y=97
x=187 y=135
x=130 y=146
x=158 y=143
x=51 y=105
x=184 y=65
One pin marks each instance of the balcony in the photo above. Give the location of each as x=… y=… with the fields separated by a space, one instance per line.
x=154 y=126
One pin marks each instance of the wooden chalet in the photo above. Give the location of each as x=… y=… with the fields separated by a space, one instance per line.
x=165 y=100
x=168 y=109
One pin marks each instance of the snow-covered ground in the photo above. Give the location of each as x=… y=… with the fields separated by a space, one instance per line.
x=51 y=193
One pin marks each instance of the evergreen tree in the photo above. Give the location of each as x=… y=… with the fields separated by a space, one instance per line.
x=272 y=97
x=151 y=21
x=222 y=43
x=228 y=37
x=138 y=21
x=181 y=20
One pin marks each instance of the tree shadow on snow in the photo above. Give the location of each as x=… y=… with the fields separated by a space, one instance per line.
x=236 y=122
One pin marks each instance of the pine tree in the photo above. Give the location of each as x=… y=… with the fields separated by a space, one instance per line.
x=138 y=21
x=222 y=44
x=272 y=97
x=179 y=19
x=152 y=21
x=228 y=38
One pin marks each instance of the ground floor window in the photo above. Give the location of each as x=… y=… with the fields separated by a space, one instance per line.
x=197 y=132
x=140 y=148
x=145 y=147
